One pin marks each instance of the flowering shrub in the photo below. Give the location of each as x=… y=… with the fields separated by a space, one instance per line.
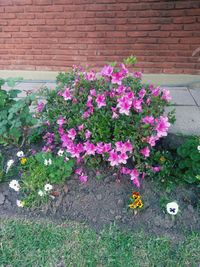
x=40 y=173
x=110 y=116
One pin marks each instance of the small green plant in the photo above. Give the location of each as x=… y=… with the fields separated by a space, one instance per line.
x=40 y=173
x=189 y=160
x=15 y=116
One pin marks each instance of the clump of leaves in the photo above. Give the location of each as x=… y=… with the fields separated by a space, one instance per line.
x=42 y=169
x=15 y=116
x=189 y=160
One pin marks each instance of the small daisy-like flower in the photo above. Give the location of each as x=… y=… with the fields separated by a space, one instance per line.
x=47 y=162
x=172 y=208
x=20 y=203
x=66 y=159
x=20 y=154
x=60 y=152
x=14 y=184
x=23 y=161
x=48 y=187
x=41 y=193
x=198 y=148
x=9 y=165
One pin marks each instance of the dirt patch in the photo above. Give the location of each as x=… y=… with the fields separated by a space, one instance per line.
x=101 y=202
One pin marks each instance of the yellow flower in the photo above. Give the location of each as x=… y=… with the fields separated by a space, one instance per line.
x=162 y=159
x=23 y=161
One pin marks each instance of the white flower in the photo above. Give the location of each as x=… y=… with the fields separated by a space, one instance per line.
x=9 y=164
x=198 y=148
x=41 y=193
x=20 y=203
x=47 y=162
x=14 y=184
x=172 y=208
x=66 y=158
x=20 y=154
x=60 y=152
x=48 y=187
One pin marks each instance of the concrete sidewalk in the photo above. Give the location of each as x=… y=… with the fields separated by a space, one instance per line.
x=185 y=100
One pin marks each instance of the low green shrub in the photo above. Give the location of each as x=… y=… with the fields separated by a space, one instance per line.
x=40 y=173
x=15 y=116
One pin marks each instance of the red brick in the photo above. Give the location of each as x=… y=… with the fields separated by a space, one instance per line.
x=6 y=3
x=184 y=20
x=14 y=9
x=42 y=2
x=11 y=29
x=55 y=22
x=23 y=2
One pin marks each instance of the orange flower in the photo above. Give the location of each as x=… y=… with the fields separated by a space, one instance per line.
x=136 y=194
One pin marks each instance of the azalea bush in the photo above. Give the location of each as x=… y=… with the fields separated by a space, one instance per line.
x=40 y=174
x=107 y=116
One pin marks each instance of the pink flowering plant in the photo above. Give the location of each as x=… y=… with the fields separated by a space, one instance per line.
x=108 y=116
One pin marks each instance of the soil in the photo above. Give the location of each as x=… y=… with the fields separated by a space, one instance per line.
x=101 y=202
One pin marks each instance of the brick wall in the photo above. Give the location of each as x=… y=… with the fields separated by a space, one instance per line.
x=54 y=34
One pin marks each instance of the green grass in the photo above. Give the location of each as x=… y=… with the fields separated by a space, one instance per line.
x=27 y=243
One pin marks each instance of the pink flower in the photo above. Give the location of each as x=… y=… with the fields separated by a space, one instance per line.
x=145 y=152
x=117 y=78
x=151 y=140
x=83 y=178
x=148 y=120
x=90 y=148
x=81 y=127
x=47 y=123
x=100 y=148
x=107 y=71
x=113 y=158
x=166 y=95
x=86 y=114
x=128 y=146
x=40 y=107
x=124 y=105
x=123 y=147
x=87 y=134
x=134 y=177
x=107 y=147
x=122 y=158
x=142 y=93
x=60 y=130
x=67 y=94
x=162 y=126
x=137 y=74
x=100 y=100
x=125 y=170
x=93 y=92
x=148 y=101
x=137 y=104
x=72 y=133
x=89 y=102
x=114 y=114
x=60 y=121
x=90 y=76
x=156 y=169
x=156 y=91
x=79 y=171
x=123 y=70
